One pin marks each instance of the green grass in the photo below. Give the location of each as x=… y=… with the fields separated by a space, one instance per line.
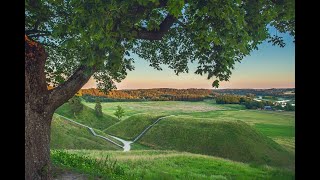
x=234 y=140
x=131 y=127
x=106 y=169
x=276 y=130
x=276 y=125
x=67 y=135
x=160 y=107
x=288 y=143
x=171 y=165
x=272 y=124
x=250 y=116
x=227 y=131
x=87 y=117
x=138 y=146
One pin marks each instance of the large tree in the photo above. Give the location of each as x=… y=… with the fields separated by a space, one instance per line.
x=68 y=41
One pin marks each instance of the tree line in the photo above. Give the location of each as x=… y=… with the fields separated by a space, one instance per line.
x=249 y=103
x=161 y=94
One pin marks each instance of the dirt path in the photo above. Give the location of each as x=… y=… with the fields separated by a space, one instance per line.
x=150 y=126
x=92 y=131
x=126 y=144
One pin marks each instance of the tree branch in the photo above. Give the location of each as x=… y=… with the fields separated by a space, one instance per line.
x=181 y=24
x=157 y=34
x=69 y=88
x=39 y=34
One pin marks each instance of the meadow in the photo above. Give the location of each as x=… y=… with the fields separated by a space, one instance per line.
x=203 y=140
x=160 y=165
x=279 y=126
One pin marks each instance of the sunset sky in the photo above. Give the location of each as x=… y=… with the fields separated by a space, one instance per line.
x=268 y=67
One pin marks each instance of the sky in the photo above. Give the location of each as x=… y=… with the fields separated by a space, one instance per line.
x=268 y=67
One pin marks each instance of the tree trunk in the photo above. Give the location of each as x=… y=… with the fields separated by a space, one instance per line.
x=38 y=115
x=37 y=144
x=40 y=104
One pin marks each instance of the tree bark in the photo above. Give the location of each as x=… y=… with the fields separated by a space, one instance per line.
x=37 y=143
x=38 y=115
x=40 y=104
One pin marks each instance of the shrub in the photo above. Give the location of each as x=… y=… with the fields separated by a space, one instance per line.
x=98 y=108
x=119 y=112
x=75 y=104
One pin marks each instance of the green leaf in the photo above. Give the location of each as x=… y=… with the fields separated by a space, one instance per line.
x=215 y=84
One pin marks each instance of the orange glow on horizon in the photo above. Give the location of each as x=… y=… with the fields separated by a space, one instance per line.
x=205 y=84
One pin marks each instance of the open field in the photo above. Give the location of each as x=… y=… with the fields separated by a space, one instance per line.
x=160 y=107
x=254 y=144
x=280 y=126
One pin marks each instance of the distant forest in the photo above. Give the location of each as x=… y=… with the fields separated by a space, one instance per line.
x=161 y=94
x=281 y=92
x=169 y=94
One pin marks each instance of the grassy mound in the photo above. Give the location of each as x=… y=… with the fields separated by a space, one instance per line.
x=150 y=165
x=132 y=126
x=67 y=135
x=234 y=140
x=87 y=116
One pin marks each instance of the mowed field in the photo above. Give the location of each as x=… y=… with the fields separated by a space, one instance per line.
x=279 y=126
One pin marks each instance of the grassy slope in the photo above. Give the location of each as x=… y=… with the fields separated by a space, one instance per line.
x=261 y=120
x=228 y=139
x=67 y=135
x=132 y=126
x=87 y=116
x=177 y=165
x=280 y=126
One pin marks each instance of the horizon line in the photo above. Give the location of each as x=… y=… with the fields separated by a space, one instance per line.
x=197 y=88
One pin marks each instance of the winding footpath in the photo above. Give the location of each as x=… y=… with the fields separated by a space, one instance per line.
x=150 y=126
x=126 y=144
x=92 y=131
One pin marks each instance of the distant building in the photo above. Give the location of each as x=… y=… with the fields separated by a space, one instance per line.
x=269 y=108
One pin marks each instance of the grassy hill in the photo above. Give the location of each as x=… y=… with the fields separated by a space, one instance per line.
x=67 y=135
x=279 y=126
x=132 y=126
x=173 y=165
x=87 y=116
x=231 y=139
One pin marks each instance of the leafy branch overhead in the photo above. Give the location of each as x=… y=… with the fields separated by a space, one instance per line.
x=101 y=35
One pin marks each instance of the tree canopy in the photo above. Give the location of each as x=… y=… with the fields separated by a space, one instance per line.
x=119 y=112
x=97 y=37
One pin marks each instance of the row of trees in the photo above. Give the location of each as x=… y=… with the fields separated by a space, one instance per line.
x=232 y=99
x=274 y=92
x=227 y=99
x=256 y=104
x=92 y=99
x=161 y=94
x=164 y=97
x=249 y=103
